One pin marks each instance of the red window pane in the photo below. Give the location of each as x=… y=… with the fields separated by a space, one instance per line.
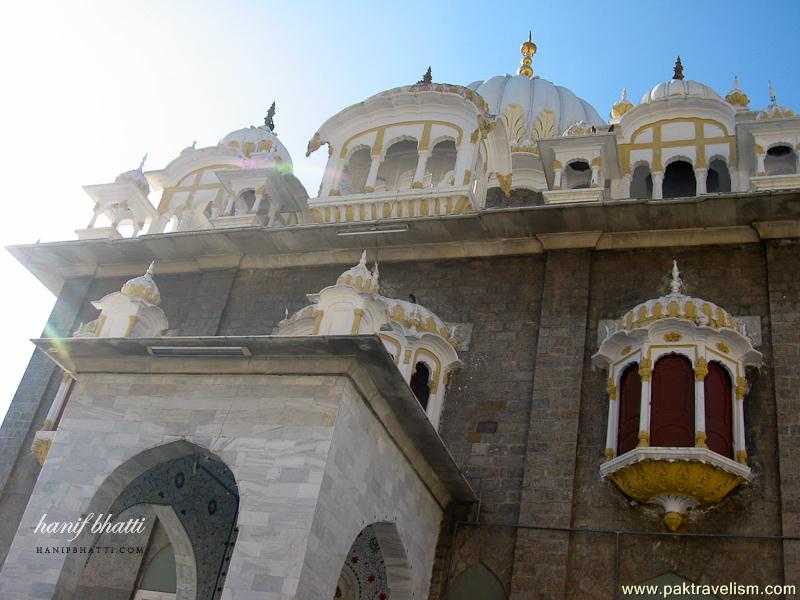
x=719 y=410
x=630 y=396
x=672 y=402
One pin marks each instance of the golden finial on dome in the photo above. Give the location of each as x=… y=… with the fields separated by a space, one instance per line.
x=736 y=97
x=528 y=49
x=624 y=105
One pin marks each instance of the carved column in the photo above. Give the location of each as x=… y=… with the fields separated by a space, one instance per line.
x=700 y=175
x=658 y=184
x=595 y=176
x=700 y=372
x=740 y=450
x=419 y=173
x=645 y=372
x=465 y=156
x=557 y=178
x=760 y=168
x=613 y=420
x=373 y=173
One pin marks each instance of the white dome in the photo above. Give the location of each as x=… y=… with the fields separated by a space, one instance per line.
x=137 y=178
x=680 y=87
x=360 y=277
x=257 y=140
x=534 y=96
x=143 y=287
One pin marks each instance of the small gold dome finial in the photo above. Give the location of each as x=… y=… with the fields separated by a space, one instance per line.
x=677 y=70
x=528 y=49
x=624 y=105
x=736 y=97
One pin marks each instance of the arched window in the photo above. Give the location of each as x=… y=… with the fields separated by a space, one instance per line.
x=420 y=383
x=476 y=583
x=780 y=160
x=578 y=175
x=642 y=182
x=354 y=177
x=718 y=179
x=630 y=403
x=719 y=409
x=439 y=169
x=679 y=180
x=672 y=402
x=159 y=575
x=397 y=169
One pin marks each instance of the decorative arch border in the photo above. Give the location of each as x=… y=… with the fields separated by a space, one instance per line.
x=109 y=492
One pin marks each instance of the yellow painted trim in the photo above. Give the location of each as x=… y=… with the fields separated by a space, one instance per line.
x=395 y=343
x=317 y=322
x=700 y=142
x=382 y=130
x=359 y=314
x=437 y=372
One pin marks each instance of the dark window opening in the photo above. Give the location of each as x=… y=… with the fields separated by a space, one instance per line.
x=420 y=384
x=578 y=175
x=679 y=180
x=642 y=183
x=780 y=160
x=718 y=179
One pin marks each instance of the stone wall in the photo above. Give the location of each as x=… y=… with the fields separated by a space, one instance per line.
x=26 y=414
x=368 y=480
x=504 y=420
x=782 y=262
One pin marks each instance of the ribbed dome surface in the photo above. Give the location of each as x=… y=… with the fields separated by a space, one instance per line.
x=534 y=96
x=679 y=87
x=254 y=140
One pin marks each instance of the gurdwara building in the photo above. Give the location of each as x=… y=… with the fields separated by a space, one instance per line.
x=508 y=350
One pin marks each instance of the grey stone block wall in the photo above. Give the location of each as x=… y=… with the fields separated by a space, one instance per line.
x=368 y=480
x=26 y=413
x=784 y=301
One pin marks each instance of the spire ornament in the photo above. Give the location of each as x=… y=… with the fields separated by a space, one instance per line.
x=528 y=49
x=144 y=158
x=269 y=120
x=427 y=78
x=676 y=284
x=677 y=70
x=772 y=97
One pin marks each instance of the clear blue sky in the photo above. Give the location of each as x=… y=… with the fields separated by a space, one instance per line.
x=89 y=87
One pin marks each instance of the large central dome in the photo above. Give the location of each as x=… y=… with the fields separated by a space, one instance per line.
x=534 y=96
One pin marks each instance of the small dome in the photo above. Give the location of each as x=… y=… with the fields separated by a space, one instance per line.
x=136 y=177
x=260 y=141
x=143 y=287
x=775 y=110
x=736 y=97
x=360 y=277
x=679 y=88
x=620 y=108
x=533 y=96
x=676 y=304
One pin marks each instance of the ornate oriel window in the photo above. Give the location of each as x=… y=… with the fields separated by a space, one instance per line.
x=421 y=344
x=676 y=386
